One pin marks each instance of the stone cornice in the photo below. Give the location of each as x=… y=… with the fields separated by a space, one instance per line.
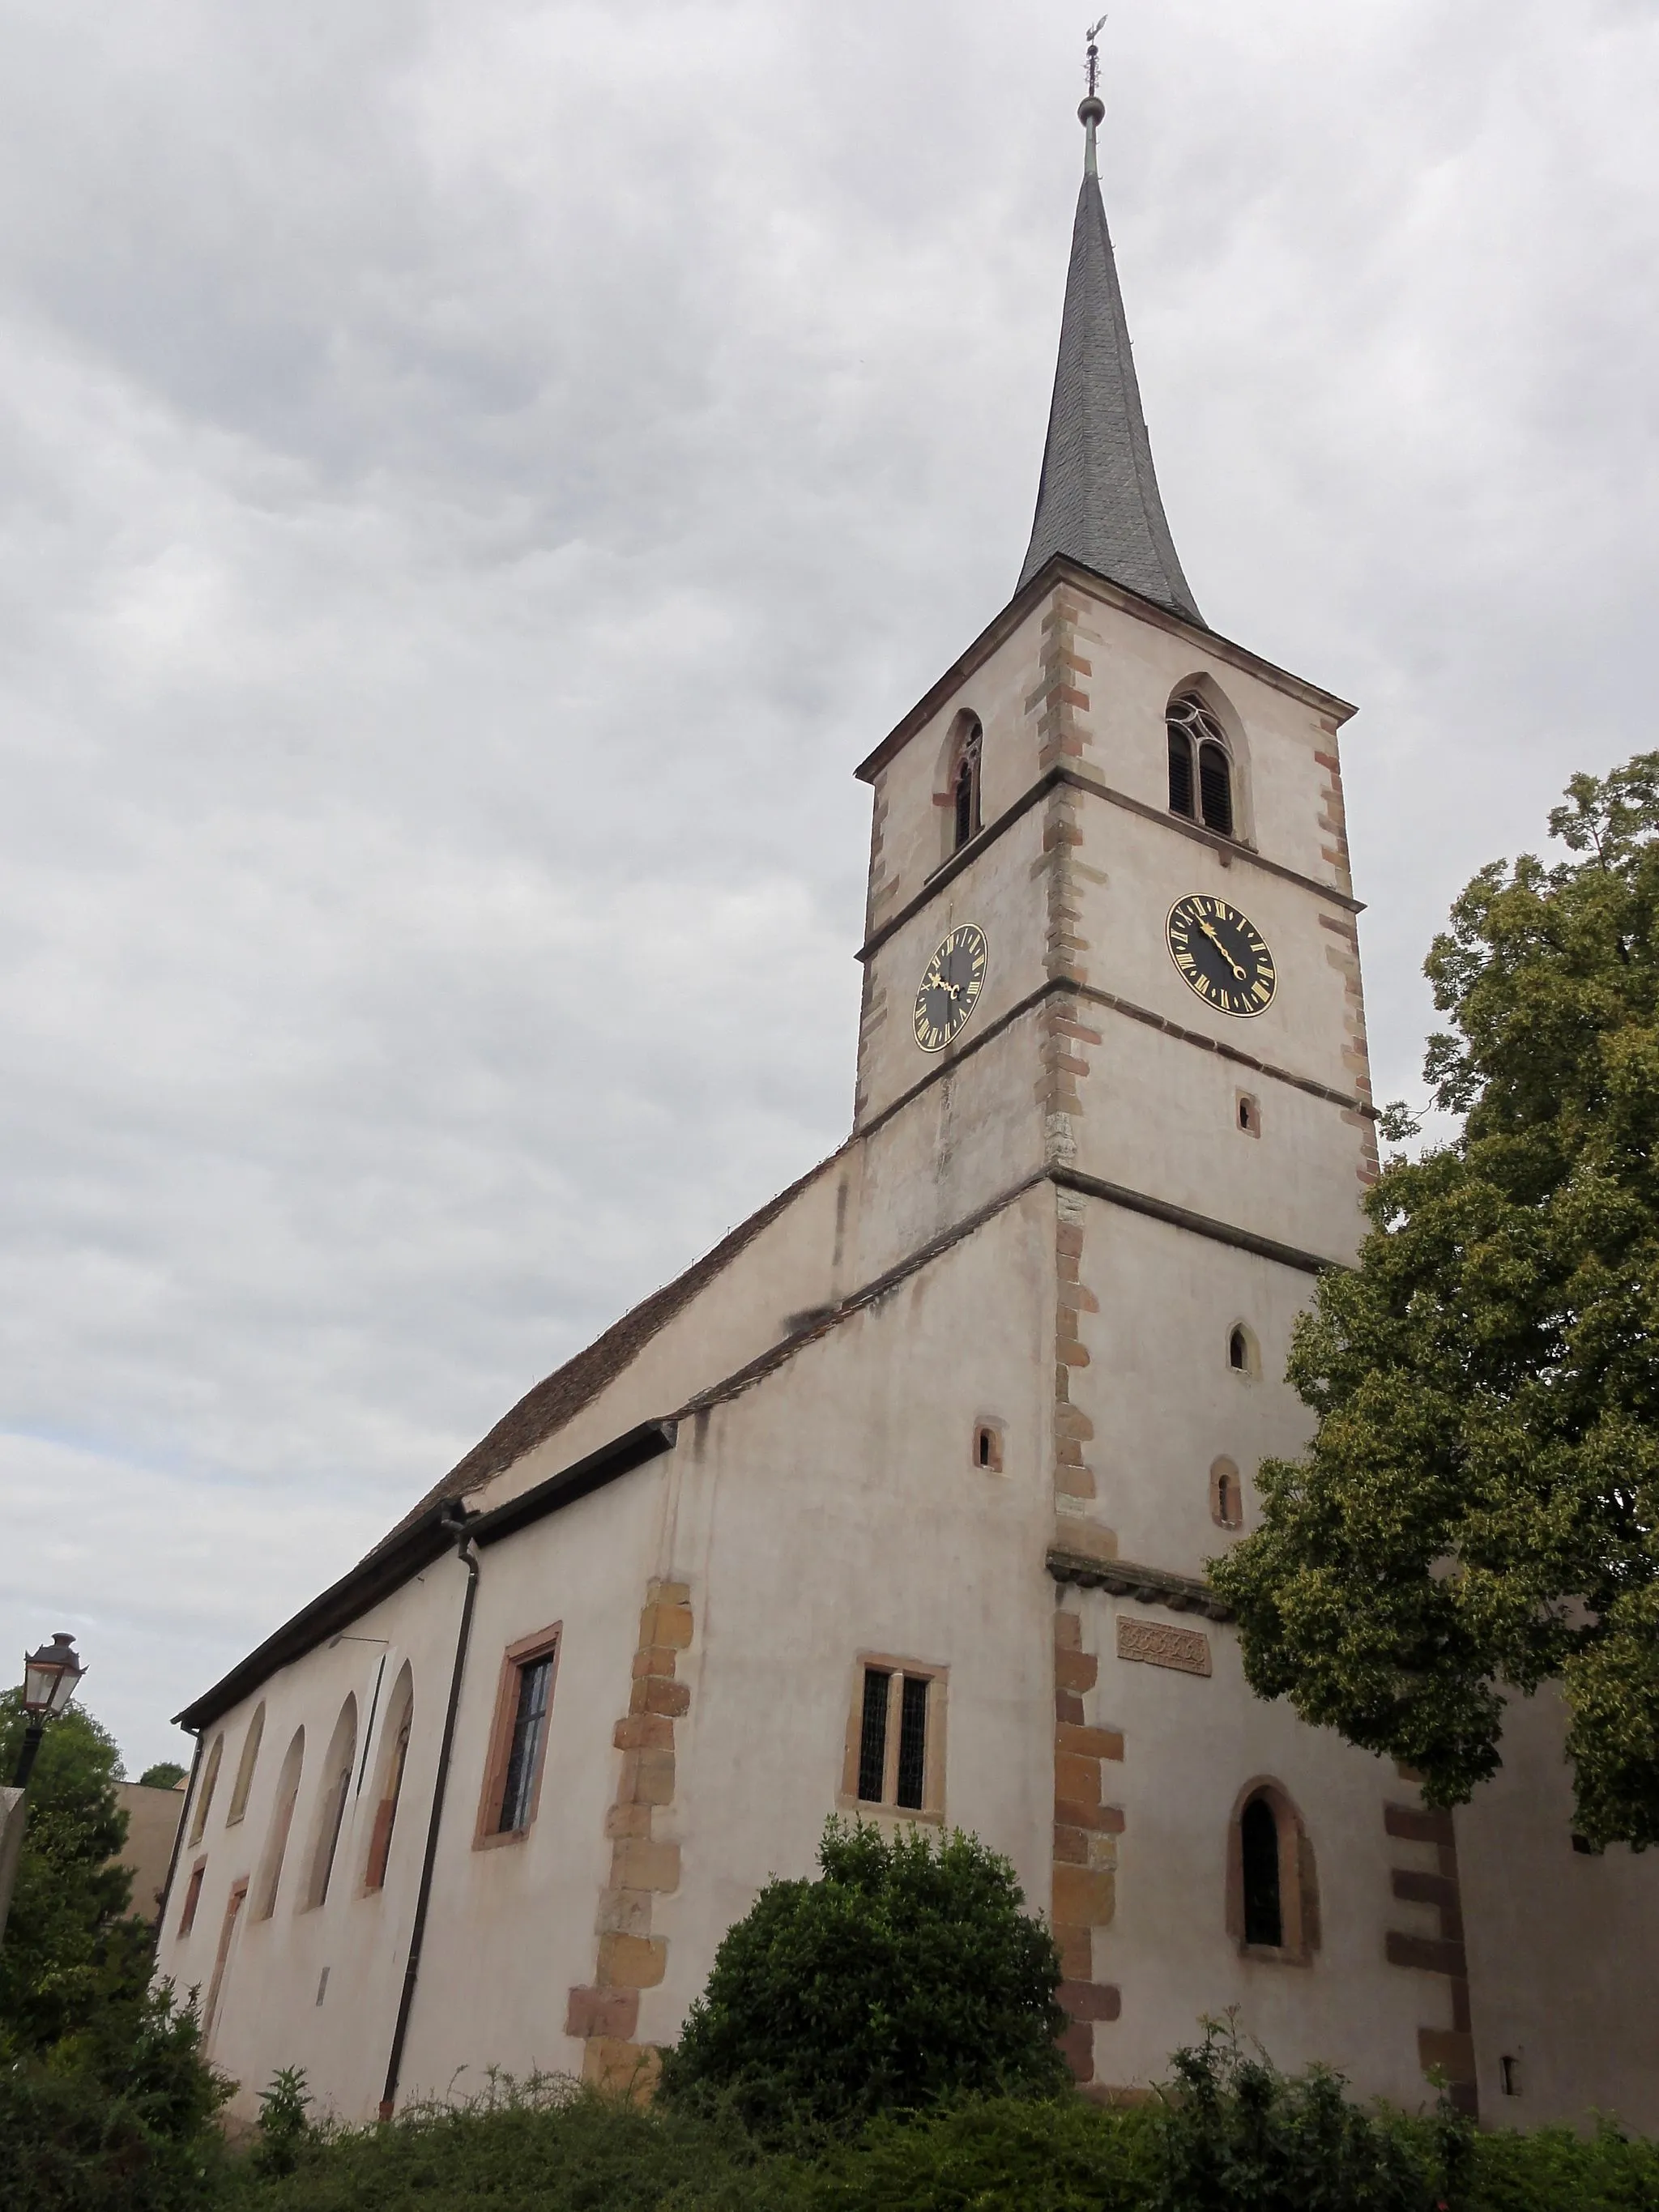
x=1148 y=1585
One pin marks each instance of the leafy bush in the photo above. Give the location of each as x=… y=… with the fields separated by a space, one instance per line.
x=1234 y=2135
x=544 y=2145
x=118 y=2118
x=907 y=1973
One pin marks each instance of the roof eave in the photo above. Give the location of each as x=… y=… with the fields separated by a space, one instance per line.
x=1060 y=567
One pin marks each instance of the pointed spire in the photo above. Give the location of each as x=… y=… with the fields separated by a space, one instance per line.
x=1098 y=499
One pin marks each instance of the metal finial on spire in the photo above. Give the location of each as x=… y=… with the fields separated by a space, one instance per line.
x=1093 y=108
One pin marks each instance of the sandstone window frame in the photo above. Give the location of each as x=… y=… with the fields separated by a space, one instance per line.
x=1244 y=1351
x=192 y=1898
x=547 y=1643
x=1247 y=1113
x=333 y=1797
x=281 y=1820
x=246 y=1765
x=204 y=1805
x=390 y=1769
x=898 y=1671
x=1299 y=1877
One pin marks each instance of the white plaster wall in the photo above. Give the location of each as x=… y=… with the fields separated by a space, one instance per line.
x=999 y=890
x=1138 y=662
x=268 y=2014
x=1147 y=869
x=836 y=1509
x=1563 y=1949
x=511 y=1927
x=1159 y=1387
x=1191 y=1744
x=913 y=834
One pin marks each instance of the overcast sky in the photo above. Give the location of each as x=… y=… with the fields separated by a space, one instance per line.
x=474 y=478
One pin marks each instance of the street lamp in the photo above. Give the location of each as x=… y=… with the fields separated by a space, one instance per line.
x=51 y=1677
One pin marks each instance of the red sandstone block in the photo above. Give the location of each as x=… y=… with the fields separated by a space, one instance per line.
x=1089 y=1743
x=1104 y=1820
x=1089 y=2001
x=602 y=2012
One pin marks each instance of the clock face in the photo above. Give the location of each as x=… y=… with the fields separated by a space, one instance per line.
x=1221 y=954
x=951 y=987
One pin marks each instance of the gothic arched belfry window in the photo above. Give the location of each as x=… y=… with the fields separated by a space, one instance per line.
x=1201 y=766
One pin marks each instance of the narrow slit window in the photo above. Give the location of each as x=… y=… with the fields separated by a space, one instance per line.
x=529 y=1734
x=1264 y=1918
x=913 y=1743
x=873 y=1735
x=1238 y=1352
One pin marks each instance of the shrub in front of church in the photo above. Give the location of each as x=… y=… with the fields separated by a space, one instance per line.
x=116 y=2117
x=909 y=1971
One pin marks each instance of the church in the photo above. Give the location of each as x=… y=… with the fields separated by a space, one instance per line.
x=896 y=1504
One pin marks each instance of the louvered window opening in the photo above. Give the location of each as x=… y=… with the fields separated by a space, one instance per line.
x=965 y=794
x=524 y=1760
x=1200 y=769
x=1264 y=1918
x=907 y=1787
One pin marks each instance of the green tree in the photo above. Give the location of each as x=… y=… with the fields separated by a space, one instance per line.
x=161 y=1775
x=1477 y=1512
x=907 y=1973
x=67 y=1949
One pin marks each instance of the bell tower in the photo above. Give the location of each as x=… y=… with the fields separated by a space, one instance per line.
x=1110 y=946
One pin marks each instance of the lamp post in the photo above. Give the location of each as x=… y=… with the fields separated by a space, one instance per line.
x=51 y=1675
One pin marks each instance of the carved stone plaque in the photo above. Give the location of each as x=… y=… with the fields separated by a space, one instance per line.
x=1163 y=1646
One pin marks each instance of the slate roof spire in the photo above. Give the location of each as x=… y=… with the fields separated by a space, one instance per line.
x=1097 y=498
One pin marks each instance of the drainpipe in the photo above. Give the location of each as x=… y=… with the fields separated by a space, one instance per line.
x=412 y=1966
x=179 y=1839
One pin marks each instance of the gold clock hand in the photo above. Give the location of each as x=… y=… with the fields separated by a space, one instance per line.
x=1209 y=932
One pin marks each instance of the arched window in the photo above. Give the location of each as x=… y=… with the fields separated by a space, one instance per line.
x=1226 y=1495
x=331 y=1803
x=389 y=1778
x=1200 y=765
x=281 y=1820
x=245 y=1764
x=209 y=1782
x=1238 y=1350
x=1258 y=1839
x=1272 y=1891
x=965 y=819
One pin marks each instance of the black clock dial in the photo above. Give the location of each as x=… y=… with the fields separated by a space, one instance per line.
x=951 y=987
x=1222 y=955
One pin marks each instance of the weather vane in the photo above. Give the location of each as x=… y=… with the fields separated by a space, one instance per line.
x=1094 y=60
